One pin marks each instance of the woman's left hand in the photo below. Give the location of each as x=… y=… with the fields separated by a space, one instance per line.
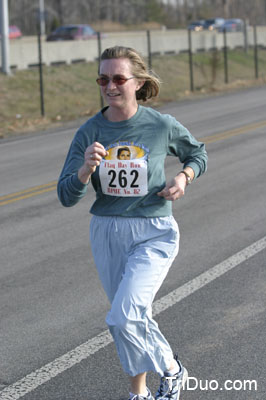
x=174 y=189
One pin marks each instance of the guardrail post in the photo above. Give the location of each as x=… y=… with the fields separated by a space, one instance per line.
x=245 y=32
x=40 y=71
x=99 y=57
x=190 y=61
x=256 y=52
x=225 y=58
x=149 y=49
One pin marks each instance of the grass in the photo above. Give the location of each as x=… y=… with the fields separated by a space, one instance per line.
x=70 y=91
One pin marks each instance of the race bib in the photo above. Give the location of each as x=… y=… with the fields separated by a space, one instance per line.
x=124 y=178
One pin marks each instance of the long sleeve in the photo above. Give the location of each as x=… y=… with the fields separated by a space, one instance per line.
x=69 y=188
x=191 y=152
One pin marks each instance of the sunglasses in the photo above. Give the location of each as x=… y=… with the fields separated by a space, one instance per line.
x=116 y=79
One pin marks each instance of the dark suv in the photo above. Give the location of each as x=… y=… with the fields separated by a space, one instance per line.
x=72 y=32
x=213 y=23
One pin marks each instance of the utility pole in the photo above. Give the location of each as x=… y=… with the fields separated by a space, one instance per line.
x=42 y=17
x=4 y=23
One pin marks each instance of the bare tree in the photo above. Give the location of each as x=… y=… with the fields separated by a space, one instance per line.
x=226 y=8
x=172 y=13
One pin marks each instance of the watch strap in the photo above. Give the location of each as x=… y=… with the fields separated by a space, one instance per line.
x=188 y=177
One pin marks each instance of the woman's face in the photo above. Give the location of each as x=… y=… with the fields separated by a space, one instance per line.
x=119 y=96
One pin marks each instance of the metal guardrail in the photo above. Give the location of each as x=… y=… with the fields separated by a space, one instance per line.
x=28 y=54
x=24 y=52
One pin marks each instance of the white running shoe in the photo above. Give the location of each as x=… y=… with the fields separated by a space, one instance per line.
x=139 y=397
x=171 y=385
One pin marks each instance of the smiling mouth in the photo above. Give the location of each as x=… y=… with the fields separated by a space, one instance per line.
x=113 y=94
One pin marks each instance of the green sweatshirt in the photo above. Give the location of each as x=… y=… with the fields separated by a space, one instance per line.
x=129 y=178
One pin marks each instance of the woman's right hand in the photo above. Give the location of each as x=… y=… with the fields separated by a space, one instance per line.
x=92 y=159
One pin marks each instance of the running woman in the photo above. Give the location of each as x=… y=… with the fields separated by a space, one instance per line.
x=134 y=237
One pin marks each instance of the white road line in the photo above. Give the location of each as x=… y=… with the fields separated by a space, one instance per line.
x=75 y=356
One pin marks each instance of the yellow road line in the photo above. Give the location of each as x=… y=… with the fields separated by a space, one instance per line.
x=8 y=196
x=48 y=187
x=233 y=132
x=28 y=193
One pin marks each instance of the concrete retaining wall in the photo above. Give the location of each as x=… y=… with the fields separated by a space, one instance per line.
x=24 y=52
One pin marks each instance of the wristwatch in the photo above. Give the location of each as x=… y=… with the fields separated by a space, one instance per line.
x=188 y=177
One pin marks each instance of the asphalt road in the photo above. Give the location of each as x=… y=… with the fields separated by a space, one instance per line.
x=51 y=301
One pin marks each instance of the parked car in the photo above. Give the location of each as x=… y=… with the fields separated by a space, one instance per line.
x=72 y=32
x=13 y=32
x=232 y=25
x=213 y=23
x=196 y=26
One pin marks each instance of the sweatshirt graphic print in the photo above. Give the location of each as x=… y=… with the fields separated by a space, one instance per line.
x=124 y=171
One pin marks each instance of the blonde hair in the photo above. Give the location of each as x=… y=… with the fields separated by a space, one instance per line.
x=151 y=85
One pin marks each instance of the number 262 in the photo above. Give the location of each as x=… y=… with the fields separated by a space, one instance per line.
x=123 y=179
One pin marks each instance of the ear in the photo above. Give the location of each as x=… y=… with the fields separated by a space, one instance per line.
x=139 y=85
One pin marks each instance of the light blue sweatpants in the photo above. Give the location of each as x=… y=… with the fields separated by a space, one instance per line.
x=133 y=256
